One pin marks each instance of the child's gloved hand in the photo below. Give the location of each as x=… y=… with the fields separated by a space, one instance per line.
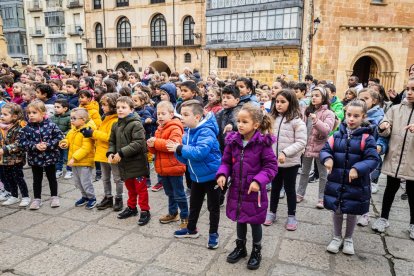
x=353 y=174
x=87 y=132
x=221 y=181
x=328 y=165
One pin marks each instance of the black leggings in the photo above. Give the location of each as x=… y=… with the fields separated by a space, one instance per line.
x=393 y=185
x=15 y=179
x=38 y=177
x=285 y=177
x=256 y=232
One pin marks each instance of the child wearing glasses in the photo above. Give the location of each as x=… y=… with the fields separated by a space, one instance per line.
x=81 y=156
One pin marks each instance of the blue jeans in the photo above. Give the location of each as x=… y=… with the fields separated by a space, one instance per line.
x=63 y=159
x=174 y=189
x=376 y=173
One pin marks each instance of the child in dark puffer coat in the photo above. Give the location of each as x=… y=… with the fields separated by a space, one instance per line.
x=350 y=155
x=251 y=163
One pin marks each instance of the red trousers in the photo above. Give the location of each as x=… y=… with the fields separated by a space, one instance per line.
x=137 y=188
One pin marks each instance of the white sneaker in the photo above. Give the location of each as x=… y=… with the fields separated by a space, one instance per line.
x=25 y=202
x=55 y=202
x=363 y=220
x=68 y=175
x=59 y=174
x=334 y=245
x=10 y=201
x=4 y=195
x=380 y=225
x=36 y=203
x=411 y=231
x=374 y=188
x=348 y=247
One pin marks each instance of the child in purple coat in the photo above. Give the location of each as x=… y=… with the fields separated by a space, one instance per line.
x=251 y=163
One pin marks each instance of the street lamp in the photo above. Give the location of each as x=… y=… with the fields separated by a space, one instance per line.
x=316 y=23
x=78 y=55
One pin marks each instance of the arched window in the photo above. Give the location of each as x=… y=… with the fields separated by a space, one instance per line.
x=98 y=36
x=98 y=59
x=123 y=33
x=187 y=58
x=158 y=31
x=188 y=30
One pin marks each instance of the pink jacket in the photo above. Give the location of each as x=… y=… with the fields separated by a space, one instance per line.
x=320 y=131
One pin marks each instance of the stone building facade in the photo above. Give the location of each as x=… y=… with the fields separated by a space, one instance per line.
x=164 y=34
x=370 y=38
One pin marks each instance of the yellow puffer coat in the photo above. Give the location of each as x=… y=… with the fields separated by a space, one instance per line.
x=101 y=137
x=80 y=148
x=93 y=110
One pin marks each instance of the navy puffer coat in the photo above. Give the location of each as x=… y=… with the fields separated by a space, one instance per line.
x=347 y=153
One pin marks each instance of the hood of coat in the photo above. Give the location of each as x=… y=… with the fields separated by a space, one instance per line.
x=51 y=100
x=93 y=105
x=265 y=139
x=174 y=122
x=209 y=121
x=375 y=115
x=366 y=127
x=171 y=91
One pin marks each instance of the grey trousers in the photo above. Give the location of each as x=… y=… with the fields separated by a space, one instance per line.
x=83 y=181
x=304 y=176
x=107 y=169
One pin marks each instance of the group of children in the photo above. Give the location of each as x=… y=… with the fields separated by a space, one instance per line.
x=226 y=140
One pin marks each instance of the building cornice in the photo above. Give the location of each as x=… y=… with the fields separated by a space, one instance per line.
x=377 y=28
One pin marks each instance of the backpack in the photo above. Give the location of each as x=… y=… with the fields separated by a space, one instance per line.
x=331 y=141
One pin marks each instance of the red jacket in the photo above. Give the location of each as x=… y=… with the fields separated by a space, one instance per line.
x=165 y=162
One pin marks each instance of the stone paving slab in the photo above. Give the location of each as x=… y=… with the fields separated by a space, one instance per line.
x=74 y=241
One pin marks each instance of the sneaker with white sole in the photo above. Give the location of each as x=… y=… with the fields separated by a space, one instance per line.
x=36 y=203
x=25 y=202
x=68 y=175
x=10 y=201
x=411 y=231
x=335 y=245
x=291 y=223
x=270 y=219
x=55 y=202
x=59 y=174
x=4 y=195
x=348 y=246
x=374 y=188
x=380 y=225
x=363 y=220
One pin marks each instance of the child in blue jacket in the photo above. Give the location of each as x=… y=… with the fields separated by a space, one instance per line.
x=350 y=155
x=200 y=151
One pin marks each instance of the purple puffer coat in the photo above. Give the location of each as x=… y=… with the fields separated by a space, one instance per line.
x=257 y=162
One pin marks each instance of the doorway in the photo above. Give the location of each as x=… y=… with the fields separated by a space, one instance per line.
x=365 y=68
x=126 y=66
x=160 y=66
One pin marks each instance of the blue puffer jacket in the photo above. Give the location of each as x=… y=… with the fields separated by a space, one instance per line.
x=352 y=198
x=375 y=116
x=201 y=150
x=144 y=114
x=35 y=133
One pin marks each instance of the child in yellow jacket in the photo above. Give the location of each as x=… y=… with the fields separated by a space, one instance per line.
x=101 y=138
x=81 y=156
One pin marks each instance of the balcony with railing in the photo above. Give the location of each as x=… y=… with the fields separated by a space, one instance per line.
x=56 y=31
x=58 y=58
x=74 y=30
x=34 y=6
x=54 y=5
x=142 y=42
x=74 y=58
x=37 y=32
x=73 y=4
x=38 y=60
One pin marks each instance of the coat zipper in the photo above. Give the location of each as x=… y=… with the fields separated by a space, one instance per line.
x=278 y=134
x=189 y=162
x=403 y=145
x=241 y=185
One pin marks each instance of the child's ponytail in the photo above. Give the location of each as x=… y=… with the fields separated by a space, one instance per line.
x=264 y=120
x=266 y=126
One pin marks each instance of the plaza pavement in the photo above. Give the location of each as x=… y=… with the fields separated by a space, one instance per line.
x=75 y=241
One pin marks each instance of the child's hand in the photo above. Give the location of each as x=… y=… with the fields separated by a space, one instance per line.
x=151 y=142
x=71 y=162
x=63 y=145
x=328 y=165
x=410 y=128
x=353 y=174
x=172 y=146
x=110 y=158
x=281 y=158
x=148 y=121
x=254 y=187
x=313 y=117
x=117 y=158
x=221 y=181
x=41 y=146
x=379 y=148
x=227 y=128
x=384 y=126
